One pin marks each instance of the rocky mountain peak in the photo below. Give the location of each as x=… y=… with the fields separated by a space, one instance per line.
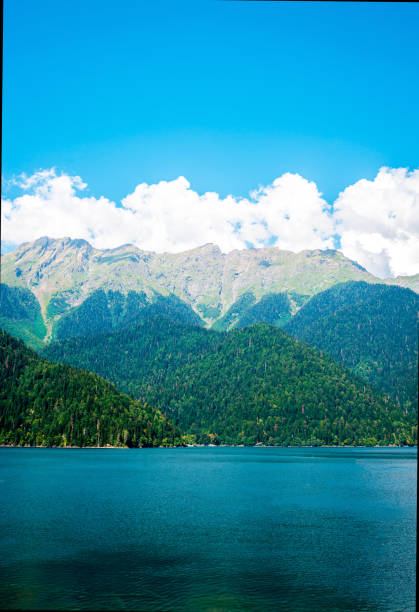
x=206 y=279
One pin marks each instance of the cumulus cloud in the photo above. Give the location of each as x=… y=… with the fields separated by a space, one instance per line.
x=377 y=220
x=55 y=207
x=169 y=215
x=294 y=212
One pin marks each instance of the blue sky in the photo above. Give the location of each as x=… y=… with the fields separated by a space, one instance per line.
x=228 y=94
x=312 y=104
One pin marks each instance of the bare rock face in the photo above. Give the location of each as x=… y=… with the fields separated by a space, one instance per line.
x=68 y=271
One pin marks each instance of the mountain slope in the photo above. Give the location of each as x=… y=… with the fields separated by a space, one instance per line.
x=251 y=385
x=273 y=308
x=47 y=404
x=20 y=315
x=105 y=310
x=63 y=273
x=372 y=329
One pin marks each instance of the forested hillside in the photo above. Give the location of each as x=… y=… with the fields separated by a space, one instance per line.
x=372 y=329
x=103 y=311
x=48 y=404
x=20 y=315
x=253 y=385
x=273 y=308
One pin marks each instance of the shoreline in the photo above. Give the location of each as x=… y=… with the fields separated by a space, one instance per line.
x=109 y=447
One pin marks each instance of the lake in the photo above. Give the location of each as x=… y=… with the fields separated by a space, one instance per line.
x=217 y=529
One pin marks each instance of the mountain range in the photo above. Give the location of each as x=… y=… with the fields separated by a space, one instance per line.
x=195 y=338
x=209 y=287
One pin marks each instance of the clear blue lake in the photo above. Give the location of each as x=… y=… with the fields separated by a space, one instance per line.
x=220 y=529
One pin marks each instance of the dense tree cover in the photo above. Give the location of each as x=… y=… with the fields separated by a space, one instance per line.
x=372 y=329
x=235 y=312
x=111 y=309
x=273 y=308
x=248 y=386
x=20 y=314
x=48 y=404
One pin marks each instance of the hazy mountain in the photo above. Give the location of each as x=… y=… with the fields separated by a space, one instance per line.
x=48 y=404
x=249 y=385
x=372 y=329
x=63 y=273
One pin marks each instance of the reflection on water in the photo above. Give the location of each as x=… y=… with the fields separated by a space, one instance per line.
x=208 y=529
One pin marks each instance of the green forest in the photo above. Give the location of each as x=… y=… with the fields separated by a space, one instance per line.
x=20 y=315
x=273 y=308
x=45 y=404
x=342 y=370
x=105 y=310
x=255 y=385
x=371 y=329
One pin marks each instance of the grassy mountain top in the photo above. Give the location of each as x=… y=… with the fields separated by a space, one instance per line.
x=48 y=404
x=251 y=385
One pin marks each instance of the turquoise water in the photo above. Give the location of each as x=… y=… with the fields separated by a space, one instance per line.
x=208 y=529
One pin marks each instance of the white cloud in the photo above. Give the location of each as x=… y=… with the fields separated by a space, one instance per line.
x=169 y=216
x=53 y=208
x=294 y=212
x=377 y=220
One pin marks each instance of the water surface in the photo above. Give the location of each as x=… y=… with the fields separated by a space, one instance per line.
x=208 y=529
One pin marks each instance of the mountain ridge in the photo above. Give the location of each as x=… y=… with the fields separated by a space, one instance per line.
x=67 y=271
